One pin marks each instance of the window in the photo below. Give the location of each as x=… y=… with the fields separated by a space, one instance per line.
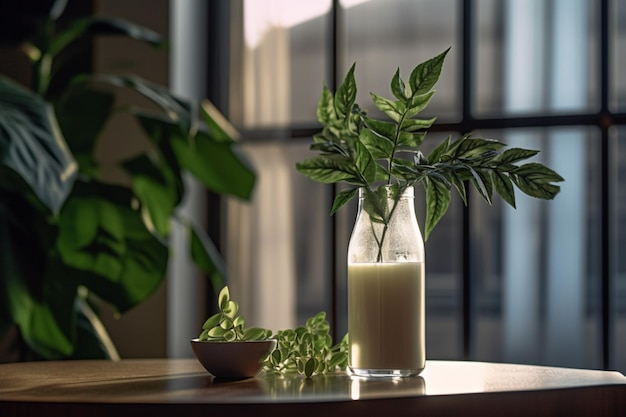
x=544 y=283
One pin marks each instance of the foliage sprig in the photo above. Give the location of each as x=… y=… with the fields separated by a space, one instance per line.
x=308 y=350
x=369 y=153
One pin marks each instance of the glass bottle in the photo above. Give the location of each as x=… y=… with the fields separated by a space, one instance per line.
x=386 y=322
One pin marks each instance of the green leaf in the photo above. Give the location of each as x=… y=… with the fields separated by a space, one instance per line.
x=441 y=149
x=212 y=321
x=513 y=155
x=223 y=298
x=504 y=187
x=398 y=87
x=230 y=335
x=277 y=356
x=254 y=333
x=220 y=166
x=101 y=235
x=483 y=183
x=418 y=103
x=411 y=125
x=82 y=114
x=424 y=77
x=239 y=321
x=220 y=128
x=459 y=184
x=310 y=366
x=162 y=132
x=404 y=169
x=364 y=162
x=410 y=142
x=179 y=111
x=156 y=187
x=325 y=107
x=205 y=334
x=217 y=332
x=231 y=310
x=217 y=163
x=536 y=180
x=330 y=169
x=380 y=147
x=346 y=95
x=226 y=323
x=393 y=109
x=342 y=198
x=45 y=324
x=472 y=147
x=437 y=202
x=102 y=26
x=382 y=129
x=32 y=146
x=205 y=256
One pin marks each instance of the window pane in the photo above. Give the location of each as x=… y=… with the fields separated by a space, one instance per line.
x=535 y=56
x=381 y=39
x=281 y=63
x=617 y=58
x=618 y=283
x=535 y=269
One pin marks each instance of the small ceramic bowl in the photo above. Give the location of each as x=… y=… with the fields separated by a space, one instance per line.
x=233 y=360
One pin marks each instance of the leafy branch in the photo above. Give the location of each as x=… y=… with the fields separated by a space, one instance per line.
x=308 y=350
x=369 y=153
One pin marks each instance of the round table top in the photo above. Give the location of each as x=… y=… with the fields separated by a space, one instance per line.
x=166 y=386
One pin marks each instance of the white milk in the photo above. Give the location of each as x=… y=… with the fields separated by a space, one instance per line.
x=386 y=316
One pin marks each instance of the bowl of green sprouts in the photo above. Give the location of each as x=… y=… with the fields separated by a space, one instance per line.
x=226 y=347
x=229 y=349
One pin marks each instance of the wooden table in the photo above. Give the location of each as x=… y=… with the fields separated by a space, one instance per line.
x=179 y=388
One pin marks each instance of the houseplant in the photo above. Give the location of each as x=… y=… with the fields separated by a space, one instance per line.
x=381 y=161
x=227 y=347
x=67 y=233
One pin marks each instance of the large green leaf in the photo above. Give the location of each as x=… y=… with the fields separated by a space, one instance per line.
x=82 y=113
x=31 y=145
x=219 y=126
x=177 y=110
x=155 y=185
x=206 y=256
x=36 y=299
x=220 y=166
x=102 y=235
x=99 y=25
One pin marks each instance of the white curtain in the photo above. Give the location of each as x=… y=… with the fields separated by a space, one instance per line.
x=261 y=248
